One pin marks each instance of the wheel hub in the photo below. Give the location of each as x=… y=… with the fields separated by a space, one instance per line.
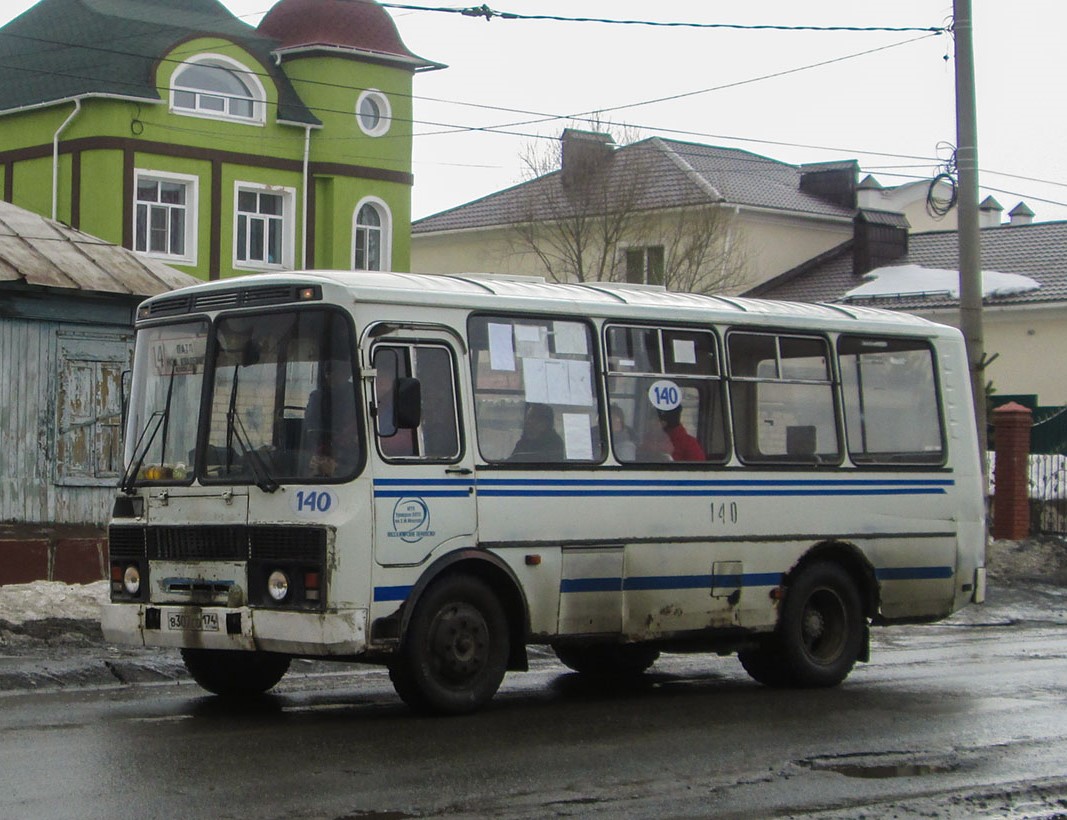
x=460 y=642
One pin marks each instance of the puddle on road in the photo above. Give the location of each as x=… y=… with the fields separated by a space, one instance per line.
x=881 y=767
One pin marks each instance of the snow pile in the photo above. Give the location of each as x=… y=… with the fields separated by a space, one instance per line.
x=915 y=280
x=41 y=600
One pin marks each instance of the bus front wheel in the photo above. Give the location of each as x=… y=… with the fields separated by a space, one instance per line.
x=455 y=651
x=234 y=673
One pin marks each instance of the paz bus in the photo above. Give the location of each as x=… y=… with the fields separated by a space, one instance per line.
x=435 y=472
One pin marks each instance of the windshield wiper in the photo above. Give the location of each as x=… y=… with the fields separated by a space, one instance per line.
x=162 y=417
x=235 y=430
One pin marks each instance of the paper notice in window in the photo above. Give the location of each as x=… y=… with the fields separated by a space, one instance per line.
x=531 y=340
x=685 y=351
x=570 y=338
x=535 y=380
x=557 y=375
x=580 y=383
x=501 y=349
x=578 y=436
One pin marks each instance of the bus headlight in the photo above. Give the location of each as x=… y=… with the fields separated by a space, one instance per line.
x=131 y=580
x=278 y=586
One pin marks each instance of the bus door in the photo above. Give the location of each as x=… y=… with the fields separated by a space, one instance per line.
x=423 y=473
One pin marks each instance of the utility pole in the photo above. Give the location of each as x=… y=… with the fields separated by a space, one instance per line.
x=970 y=252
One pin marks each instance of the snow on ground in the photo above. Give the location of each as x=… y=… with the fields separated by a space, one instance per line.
x=41 y=600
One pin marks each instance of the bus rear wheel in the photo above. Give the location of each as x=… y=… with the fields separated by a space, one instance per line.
x=822 y=626
x=455 y=651
x=608 y=660
x=233 y=673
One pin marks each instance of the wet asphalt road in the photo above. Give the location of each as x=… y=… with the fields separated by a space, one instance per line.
x=961 y=719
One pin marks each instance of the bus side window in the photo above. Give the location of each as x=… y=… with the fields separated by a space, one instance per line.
x=666 y=395
x=782 y=396
x=535 y=394
x=892 y=413
x=436 y=435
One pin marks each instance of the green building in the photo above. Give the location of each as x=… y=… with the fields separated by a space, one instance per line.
x=176 y=130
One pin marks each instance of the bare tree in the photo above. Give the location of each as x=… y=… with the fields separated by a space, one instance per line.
x=587 y=213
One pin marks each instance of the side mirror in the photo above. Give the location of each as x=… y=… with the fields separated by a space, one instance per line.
x=124 y=397
x=407 y=403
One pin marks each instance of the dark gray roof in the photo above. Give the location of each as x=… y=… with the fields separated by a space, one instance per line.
x=60 y=49
x=1038 y=250
x=671 y=174
x=38 y=251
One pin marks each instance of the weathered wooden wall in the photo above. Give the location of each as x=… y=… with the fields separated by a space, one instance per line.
x=61 y=359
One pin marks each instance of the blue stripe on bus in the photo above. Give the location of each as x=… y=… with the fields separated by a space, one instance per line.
x=656 y=488
x=913 y=573
x=750 y=579
x=674 y=482
x=717 y=492
x=665 y=582
x=399 y=593
x=590 y=585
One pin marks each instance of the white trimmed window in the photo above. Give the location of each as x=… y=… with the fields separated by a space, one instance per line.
x=373 y=113
x=372 y=236
x=213 y=85
x=264 y=227
x=164 y=216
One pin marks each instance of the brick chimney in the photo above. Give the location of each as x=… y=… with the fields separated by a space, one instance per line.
x=878 y=238
x=584 y=153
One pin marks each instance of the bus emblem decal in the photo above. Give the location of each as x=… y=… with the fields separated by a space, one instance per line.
x=411 y=520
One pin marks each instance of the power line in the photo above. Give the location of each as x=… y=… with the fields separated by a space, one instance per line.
x=544 y=117
x=488 y=13
x=738 y=83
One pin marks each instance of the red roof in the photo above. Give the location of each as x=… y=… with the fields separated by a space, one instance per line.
x=350 y=24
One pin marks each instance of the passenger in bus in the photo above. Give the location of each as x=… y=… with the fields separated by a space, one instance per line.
x=684 y=447
x=622 y=438
x=331 y=428
x=539 y=440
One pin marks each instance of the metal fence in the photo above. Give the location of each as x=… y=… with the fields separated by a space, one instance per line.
x=1048 y=470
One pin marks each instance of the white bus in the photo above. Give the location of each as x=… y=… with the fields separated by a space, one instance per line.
x=434 y=472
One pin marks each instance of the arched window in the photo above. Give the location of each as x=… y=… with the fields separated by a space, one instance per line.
x=371 y=236
x=216 y=86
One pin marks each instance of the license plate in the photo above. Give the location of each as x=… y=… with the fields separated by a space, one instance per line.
x=193 y=621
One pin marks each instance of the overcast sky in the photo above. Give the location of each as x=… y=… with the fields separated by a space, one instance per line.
x=514 y=83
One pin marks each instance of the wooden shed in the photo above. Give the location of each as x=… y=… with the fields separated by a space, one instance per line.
x=67 y=303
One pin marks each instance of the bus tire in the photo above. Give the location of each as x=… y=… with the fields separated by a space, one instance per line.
x=455 y=651
x=766 y=665
x=235 y=673
x=608 y=660
x=821 y=628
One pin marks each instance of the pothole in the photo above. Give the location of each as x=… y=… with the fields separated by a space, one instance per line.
x=882 y=766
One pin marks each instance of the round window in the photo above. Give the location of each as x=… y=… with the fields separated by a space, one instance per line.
x=372 y=113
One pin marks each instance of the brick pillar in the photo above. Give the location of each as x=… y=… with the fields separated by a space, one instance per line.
x=1011 y=476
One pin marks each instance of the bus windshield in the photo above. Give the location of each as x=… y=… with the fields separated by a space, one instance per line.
x=168 y=368
x=281 y=401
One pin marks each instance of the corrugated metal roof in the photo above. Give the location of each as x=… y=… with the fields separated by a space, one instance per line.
x=648 y=175
x=39 y=251
x=1038 y=251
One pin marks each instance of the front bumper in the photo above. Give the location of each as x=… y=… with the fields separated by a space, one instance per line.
x=245 y=628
